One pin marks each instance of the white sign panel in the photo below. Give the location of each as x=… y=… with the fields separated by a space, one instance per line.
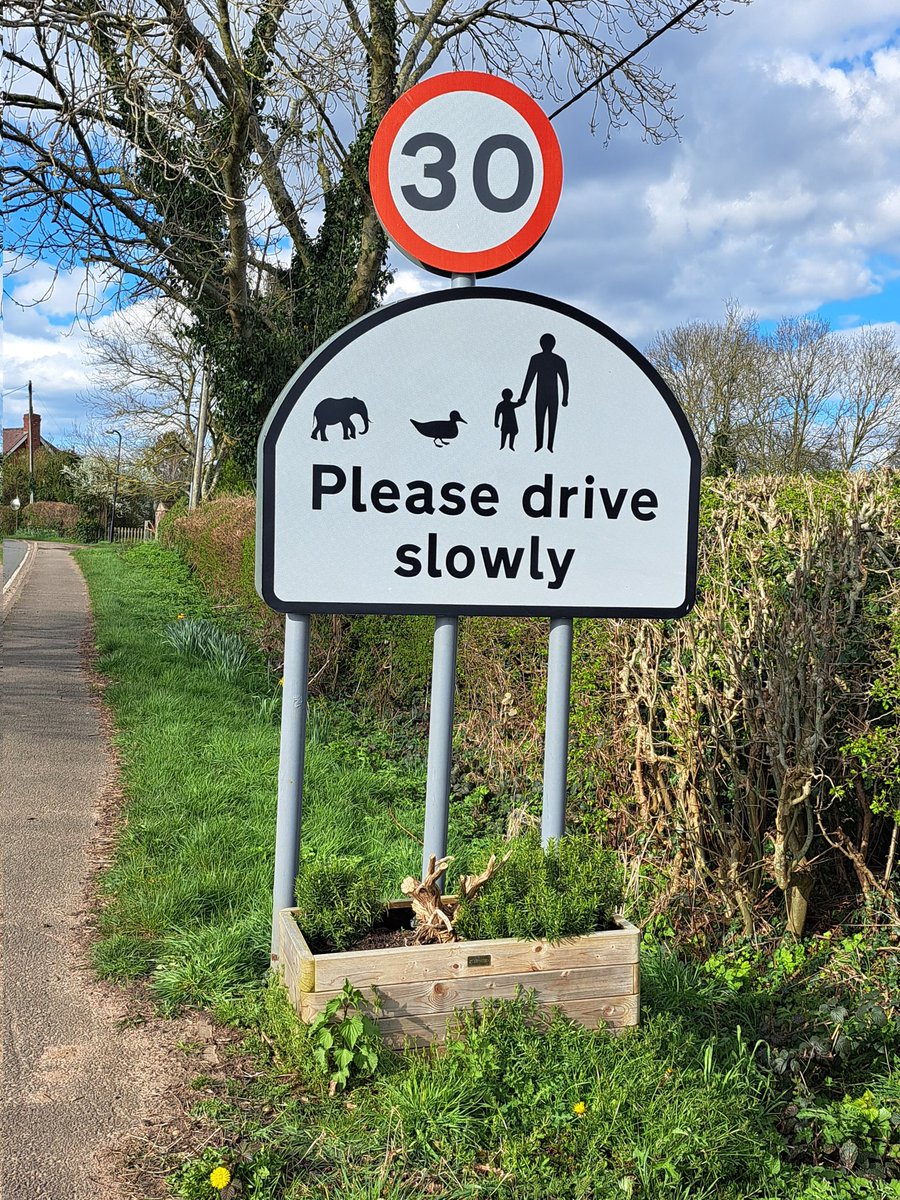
x=478 y=451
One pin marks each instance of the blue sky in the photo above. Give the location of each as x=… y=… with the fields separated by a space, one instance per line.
x=783 y=192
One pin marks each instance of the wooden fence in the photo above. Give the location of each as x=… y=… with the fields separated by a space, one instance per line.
x=137 y=533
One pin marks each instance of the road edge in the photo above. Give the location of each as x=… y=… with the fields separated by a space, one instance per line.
x=13 y=585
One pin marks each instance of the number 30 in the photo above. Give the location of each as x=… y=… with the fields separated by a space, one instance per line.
x=442 y=169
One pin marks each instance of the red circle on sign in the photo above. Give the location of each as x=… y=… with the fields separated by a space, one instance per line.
x=438 y=258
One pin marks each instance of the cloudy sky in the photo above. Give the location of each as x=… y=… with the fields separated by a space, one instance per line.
x=783 y=192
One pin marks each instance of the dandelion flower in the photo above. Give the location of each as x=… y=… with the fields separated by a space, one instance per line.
x=220 y=1178
x=579 y=1108
x=180 y=617
x=281 y=682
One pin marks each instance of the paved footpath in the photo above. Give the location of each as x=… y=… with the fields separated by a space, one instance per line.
x=73 y=1079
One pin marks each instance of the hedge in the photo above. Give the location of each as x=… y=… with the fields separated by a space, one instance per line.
x=50 y=515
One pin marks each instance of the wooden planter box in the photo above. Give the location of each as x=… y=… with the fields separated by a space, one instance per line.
x=594 y=979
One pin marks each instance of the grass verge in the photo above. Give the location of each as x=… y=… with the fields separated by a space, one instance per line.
x=189 y=894
x=754 y=1075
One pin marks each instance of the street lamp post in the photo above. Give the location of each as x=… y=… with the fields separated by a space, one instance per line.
x=112 y=515
x=30 y=445
x=15 y=504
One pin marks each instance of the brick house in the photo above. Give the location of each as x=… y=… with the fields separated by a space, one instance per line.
x=15 y=441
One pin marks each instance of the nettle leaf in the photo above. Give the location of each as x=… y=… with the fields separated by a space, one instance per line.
x=849 y=1153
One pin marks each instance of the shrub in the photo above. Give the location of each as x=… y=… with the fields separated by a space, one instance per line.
x=738 y=712
x=51 y=516
x=218 y=541
x=571 y=888
x=165 y=528
x=339 y=900
x=87 y=529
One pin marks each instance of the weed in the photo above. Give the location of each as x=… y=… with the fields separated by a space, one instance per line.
x=268 y=708
x=345 y=1040
x=210 y=962
x=861 y=1131
x=223 y=650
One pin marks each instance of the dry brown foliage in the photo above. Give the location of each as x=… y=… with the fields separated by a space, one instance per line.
x=739 y=712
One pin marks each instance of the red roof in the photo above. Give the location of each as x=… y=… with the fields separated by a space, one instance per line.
x=17 y=439
x=12 y=438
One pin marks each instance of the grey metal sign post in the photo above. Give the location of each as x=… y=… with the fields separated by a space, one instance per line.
x=290 y=766
x=556 y=728
x=440 y=724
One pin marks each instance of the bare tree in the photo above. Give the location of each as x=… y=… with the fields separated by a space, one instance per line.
x=147 y=379
x=188 y=147
x=807 y=372
x=720 y=373
x=866 y=424
x=802 y=398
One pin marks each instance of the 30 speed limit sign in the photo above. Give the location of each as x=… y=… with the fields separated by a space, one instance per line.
x=465 y=173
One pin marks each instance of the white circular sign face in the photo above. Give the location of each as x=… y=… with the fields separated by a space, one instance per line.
x=465 y=173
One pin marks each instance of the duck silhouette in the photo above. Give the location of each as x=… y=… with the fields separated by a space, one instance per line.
x=441 y=432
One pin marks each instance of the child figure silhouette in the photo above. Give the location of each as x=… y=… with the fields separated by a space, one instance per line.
x=505 y=417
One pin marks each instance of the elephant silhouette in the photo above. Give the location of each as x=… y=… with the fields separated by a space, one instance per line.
x=339 y=410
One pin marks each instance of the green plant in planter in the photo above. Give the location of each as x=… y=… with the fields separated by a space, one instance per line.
x=338 y=900
x=571 y=888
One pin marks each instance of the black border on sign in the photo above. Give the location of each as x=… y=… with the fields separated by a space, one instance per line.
x=304 y=376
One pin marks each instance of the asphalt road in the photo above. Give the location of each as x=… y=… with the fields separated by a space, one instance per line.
x=13 y=553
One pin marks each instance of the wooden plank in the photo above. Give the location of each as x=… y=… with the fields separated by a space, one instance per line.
x=468 y=960
x=550 y=987
x=614 y=1011
x=423 y=1029
x=295 y=959
x=637 y=994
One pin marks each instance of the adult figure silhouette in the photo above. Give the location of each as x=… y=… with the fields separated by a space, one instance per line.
x=547 y=371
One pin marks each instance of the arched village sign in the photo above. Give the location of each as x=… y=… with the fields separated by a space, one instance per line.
x=478 y=451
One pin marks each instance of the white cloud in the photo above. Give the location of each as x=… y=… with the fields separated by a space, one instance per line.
x=411 y=281
x=53 y=294
x=784 y=190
